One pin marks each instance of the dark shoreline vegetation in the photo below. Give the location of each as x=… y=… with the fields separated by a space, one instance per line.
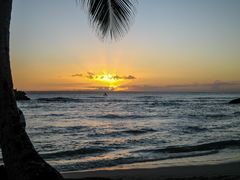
x=21 y=95
x=235 y=101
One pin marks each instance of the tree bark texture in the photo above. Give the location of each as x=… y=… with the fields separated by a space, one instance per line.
x=21 y=160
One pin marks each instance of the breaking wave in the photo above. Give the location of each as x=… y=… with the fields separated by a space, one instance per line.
x=201 y=147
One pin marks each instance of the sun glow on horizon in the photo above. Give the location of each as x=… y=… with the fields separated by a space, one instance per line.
x=108 y=78
x=111 y=80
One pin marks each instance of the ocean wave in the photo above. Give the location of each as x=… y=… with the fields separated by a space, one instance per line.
x=171 y=103
x=119 y=133
x=76 y=152
x=201 y=147
x=236 y=113
x=212 y=116
x=108 y=98
x=55 y=115
x=147 y=97
x=30 y=105
x=123 y=160
x=119 y=100
x=139 y=131
x=116 y=116
x=96 y=97
x=217 y=116
x=58 y=99
x=57 y=130
x=156 y=103
x=194 y=129
x=215 y=98
x=83 y=100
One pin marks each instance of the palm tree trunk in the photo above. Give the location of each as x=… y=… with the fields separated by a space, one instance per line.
x=21 y=160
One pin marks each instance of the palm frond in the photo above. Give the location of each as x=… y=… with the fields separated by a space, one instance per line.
x=110 y=18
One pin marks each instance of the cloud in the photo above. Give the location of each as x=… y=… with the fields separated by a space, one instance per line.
x=221 y=85
x=216 y=86
x=91 y=75
x=130 y=77
x=77 y=75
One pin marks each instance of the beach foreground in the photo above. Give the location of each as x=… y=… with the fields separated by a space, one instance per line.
x=229 y=171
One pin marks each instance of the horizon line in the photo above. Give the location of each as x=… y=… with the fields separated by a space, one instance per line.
x=101 y=91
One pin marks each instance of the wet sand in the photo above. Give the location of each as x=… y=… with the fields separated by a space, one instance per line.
x=229 y=171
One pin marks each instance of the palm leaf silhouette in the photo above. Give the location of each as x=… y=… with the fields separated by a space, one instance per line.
x=110 y=18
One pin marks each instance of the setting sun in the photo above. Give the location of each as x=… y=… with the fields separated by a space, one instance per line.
x=108 y=78
x=111 y=80
x=104 y=80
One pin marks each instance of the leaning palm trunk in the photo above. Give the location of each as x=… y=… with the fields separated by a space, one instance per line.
x=21 y=160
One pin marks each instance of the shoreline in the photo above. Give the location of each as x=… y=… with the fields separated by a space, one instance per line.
x=194 y=172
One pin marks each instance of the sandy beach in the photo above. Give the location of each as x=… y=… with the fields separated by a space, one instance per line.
x=211 y=172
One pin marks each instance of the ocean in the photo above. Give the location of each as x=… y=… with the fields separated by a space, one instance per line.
x=82 y=131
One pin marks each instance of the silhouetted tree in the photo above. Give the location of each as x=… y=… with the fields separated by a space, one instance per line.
x=110 y=18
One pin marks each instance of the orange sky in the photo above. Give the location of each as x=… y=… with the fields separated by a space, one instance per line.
x=172 y=46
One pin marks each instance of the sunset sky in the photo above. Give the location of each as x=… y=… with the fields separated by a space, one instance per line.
x=173 y=45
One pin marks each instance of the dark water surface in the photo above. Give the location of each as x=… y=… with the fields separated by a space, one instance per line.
x=74 y=131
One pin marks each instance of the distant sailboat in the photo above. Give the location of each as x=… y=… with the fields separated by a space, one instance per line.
x=105 y=94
